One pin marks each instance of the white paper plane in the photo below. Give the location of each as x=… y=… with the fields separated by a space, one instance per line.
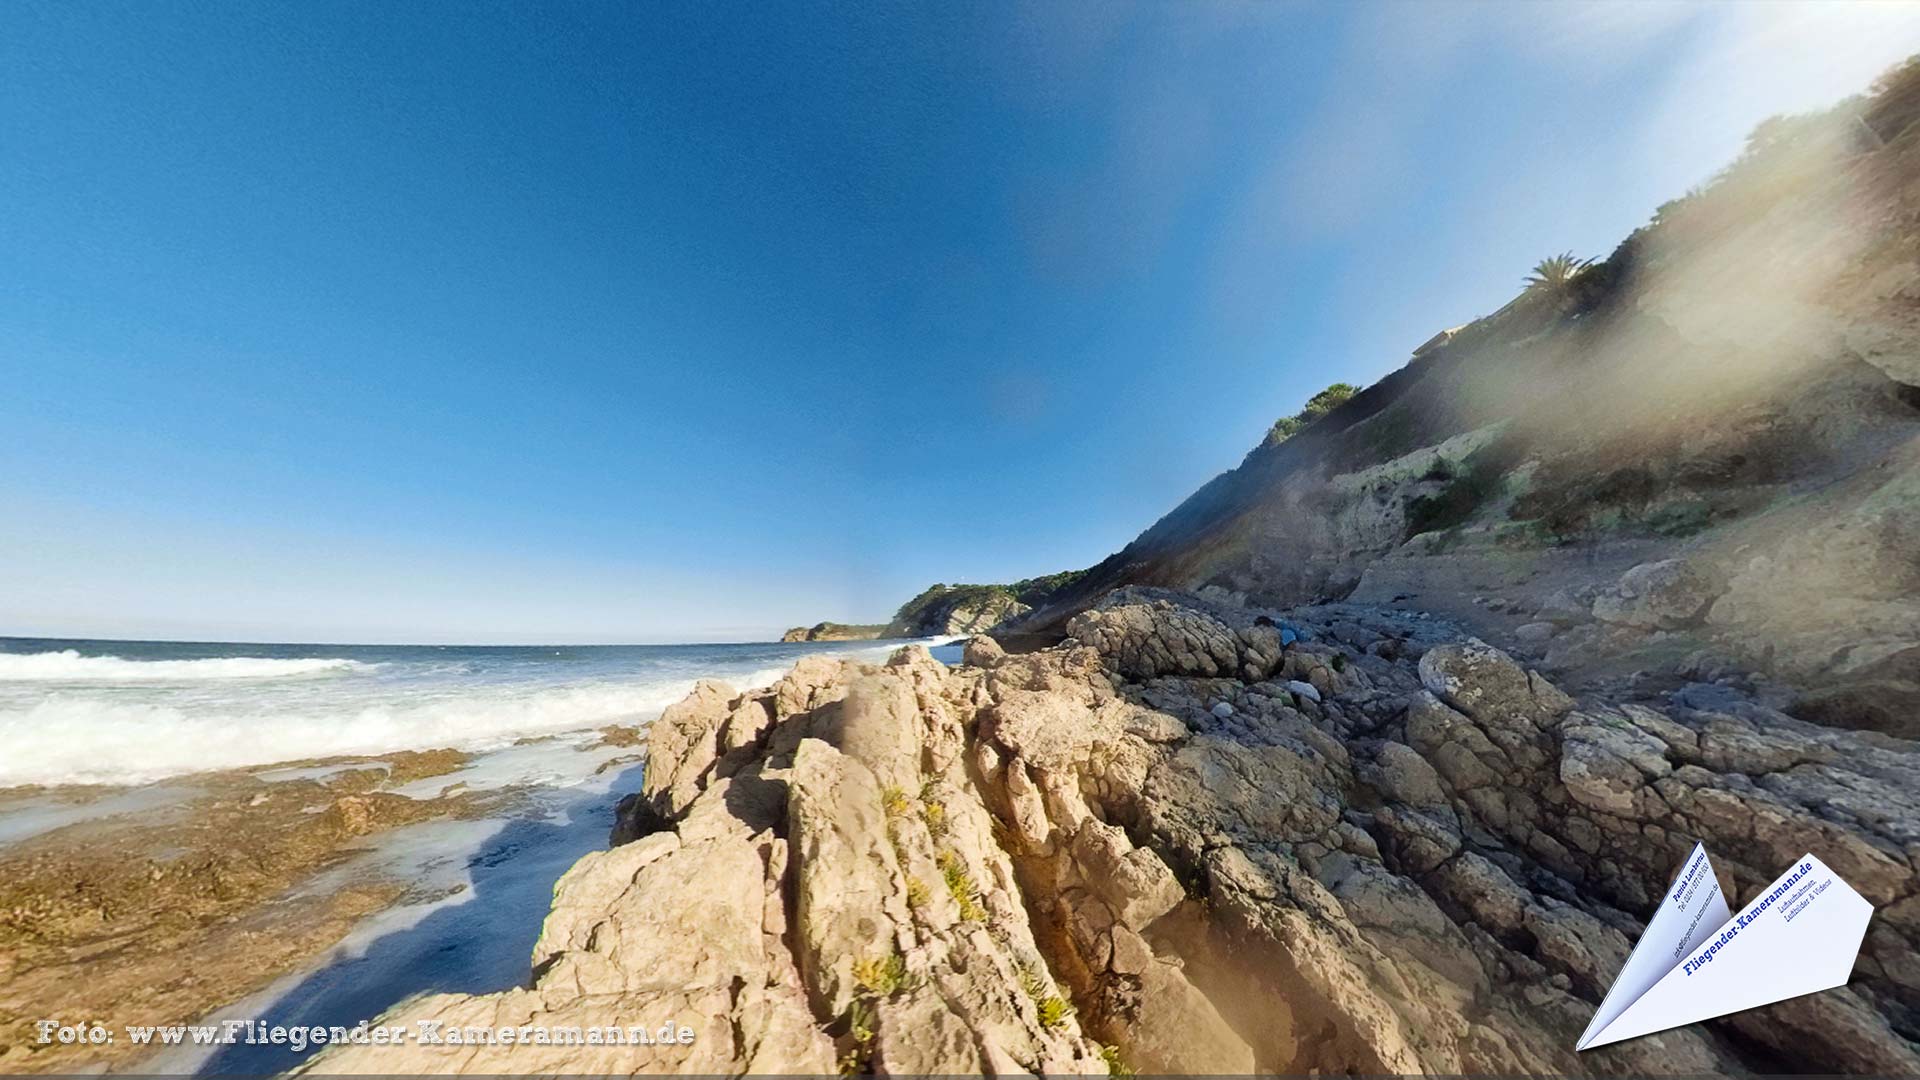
x=1697 y=960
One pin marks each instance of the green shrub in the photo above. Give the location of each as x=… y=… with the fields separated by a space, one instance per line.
x=1316 y=407
x=935 y=815
x=1480 y=478
x=859 y=1020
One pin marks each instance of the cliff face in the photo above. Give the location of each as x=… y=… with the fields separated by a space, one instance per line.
x=1195 y=840
x=954 y=610
x=1733 y=396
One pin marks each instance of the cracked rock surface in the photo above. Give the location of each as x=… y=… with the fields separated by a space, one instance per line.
x=1053 y=861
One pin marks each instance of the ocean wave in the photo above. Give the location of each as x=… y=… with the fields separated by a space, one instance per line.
x=75 y=735
x=69 y=666
x=78 y=738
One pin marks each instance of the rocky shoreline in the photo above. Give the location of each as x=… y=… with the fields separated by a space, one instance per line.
x=1196 y=838
x=171 y=902
x=171 y=911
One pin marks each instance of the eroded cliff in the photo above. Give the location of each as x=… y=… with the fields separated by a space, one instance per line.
x=1732 y=396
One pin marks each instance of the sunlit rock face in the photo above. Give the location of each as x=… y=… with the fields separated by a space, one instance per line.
x=1043 y=862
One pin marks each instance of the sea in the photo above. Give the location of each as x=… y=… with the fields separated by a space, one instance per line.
x=143 y=716
x=131 y=712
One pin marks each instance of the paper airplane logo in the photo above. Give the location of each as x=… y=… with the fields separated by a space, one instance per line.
x=1697 y=960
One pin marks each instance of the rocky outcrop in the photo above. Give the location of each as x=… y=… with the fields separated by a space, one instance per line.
x=1180 y=844
x=954 y=610
x=833 y=631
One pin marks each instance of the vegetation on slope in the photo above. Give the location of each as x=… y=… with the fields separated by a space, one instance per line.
x=929 y=612
x=1539 y=359
x=1556 y=273
x=833 y=631
x=1316 y=407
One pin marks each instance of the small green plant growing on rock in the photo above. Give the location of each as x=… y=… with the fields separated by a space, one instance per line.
x=881 y=977
x=960 y=885
x=860 y=1021
x=1051 y=1007
x=1339 y=662
x=893 y=799
x=1116 y=1065
x=918 y=895
x=1054 y=1011
x=1030 y=981
x=934 y=813
x=874 y=978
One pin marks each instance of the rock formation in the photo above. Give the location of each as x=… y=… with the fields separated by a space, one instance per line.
x=953 y=610
x=1396 y=849
x=833 y=631
x=1706 y=446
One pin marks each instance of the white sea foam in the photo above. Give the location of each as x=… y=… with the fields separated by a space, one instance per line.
x=68 y=666
x=71 y=738
x=138 y=728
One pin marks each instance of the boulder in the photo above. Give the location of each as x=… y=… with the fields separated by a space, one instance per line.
x=1535 y=633
x=983 y=652
x=1664 y=595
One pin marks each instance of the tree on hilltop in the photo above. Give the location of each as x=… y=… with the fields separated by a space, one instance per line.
x=1316 y=407
x=1555 y=273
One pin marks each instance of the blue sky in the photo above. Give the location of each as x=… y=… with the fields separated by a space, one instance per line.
x=632 y=322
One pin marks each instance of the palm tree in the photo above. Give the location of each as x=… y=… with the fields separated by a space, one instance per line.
x=1556 y=273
